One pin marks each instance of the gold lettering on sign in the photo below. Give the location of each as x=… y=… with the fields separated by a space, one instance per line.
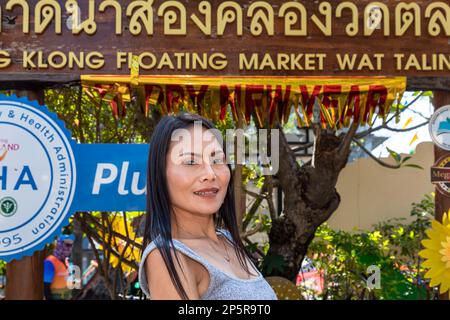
x=404 y=18
x=25 y=13
x=89 y=25
x=5 y=59
x=205 y=8
x=324 y=9
x=374 y=13
x=174 y=60
x=262 y=15
x=423 y=62
x=294 y=13
x=229 y=12
x=359 y=62
x=177 y=13
x=256 y=18
x=118 y=10
x=439 y=15
x=352 y=28
x=282 y=61
x=45 y=12
x=58 y=60
x=141 y=13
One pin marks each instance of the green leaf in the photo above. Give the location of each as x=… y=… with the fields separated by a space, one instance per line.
x=394 y=155
x=406 y=159
x=413 y=166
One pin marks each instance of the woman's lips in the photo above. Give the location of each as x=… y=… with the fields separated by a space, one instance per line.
x=207 y=193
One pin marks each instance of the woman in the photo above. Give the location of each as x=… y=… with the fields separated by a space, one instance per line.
x=190 y=207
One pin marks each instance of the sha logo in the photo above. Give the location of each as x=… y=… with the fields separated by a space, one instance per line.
x=37 y=176
x=8 y=206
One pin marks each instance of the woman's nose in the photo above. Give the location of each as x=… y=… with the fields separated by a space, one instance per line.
x=208 y=172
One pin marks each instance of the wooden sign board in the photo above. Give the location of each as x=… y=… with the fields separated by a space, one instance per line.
x=64 y=39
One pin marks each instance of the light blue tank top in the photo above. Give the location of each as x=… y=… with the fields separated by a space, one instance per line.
x=222 y=286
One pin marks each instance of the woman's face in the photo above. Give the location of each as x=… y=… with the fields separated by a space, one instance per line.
x=197 y=174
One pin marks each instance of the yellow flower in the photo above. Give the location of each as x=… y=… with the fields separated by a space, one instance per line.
x=446 y=252
x=123 y=247
x=437 y=253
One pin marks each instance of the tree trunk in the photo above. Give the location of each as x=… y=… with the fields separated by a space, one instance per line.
x=310 y=196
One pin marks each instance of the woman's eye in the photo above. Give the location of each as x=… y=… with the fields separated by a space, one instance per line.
x=218 y=161
x=190 y=162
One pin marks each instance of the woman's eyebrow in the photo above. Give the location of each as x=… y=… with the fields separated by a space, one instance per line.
x=198 y=155
x=190 y=154
x=217 y=152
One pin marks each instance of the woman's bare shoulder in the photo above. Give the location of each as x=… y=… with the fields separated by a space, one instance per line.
x=159 y=279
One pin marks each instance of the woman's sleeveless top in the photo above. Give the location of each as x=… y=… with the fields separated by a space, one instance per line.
x=222 y=286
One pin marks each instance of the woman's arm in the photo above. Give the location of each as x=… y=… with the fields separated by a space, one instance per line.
x=159 y=282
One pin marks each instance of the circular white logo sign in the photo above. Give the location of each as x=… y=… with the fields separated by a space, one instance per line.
x=439 y=127
x=37 y=177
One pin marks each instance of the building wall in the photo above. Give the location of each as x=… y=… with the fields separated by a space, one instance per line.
x=371 y=193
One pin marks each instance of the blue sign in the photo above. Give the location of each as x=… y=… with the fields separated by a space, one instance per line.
x=111 y=177
x=45 y=177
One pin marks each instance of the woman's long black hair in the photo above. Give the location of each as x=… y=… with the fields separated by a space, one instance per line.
x=158 y=218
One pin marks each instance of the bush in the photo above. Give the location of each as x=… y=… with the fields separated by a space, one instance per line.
x=348 y=260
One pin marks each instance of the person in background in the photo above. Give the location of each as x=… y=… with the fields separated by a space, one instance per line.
x=56 y=270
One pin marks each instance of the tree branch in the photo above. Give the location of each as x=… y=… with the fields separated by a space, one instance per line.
x=379 y=161
x=116 y=234
x=258 y=199
x=346 y=142
x=384 y=125
x=408 y=129
x=254 y=194
x=255 y=230
x=107 y=246
x=303 y=147
x=288 y=165
x=269 y=197
x=407 y=106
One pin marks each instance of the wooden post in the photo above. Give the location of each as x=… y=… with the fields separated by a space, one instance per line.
x=25 y=277
x=77 y=250
x=442 y=203
x=239 y=194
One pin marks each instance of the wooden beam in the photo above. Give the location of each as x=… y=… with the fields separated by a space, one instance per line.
x=239 y=194
x=34 y=54
x=25 y=277
x=10 y=81
x=20 y=81
x=442 y=202
x=428 y=84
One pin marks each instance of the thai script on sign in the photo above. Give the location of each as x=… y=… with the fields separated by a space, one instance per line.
x=216 y=18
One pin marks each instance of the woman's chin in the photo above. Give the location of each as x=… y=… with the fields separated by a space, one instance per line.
x=206 y=205
x=205 y=210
